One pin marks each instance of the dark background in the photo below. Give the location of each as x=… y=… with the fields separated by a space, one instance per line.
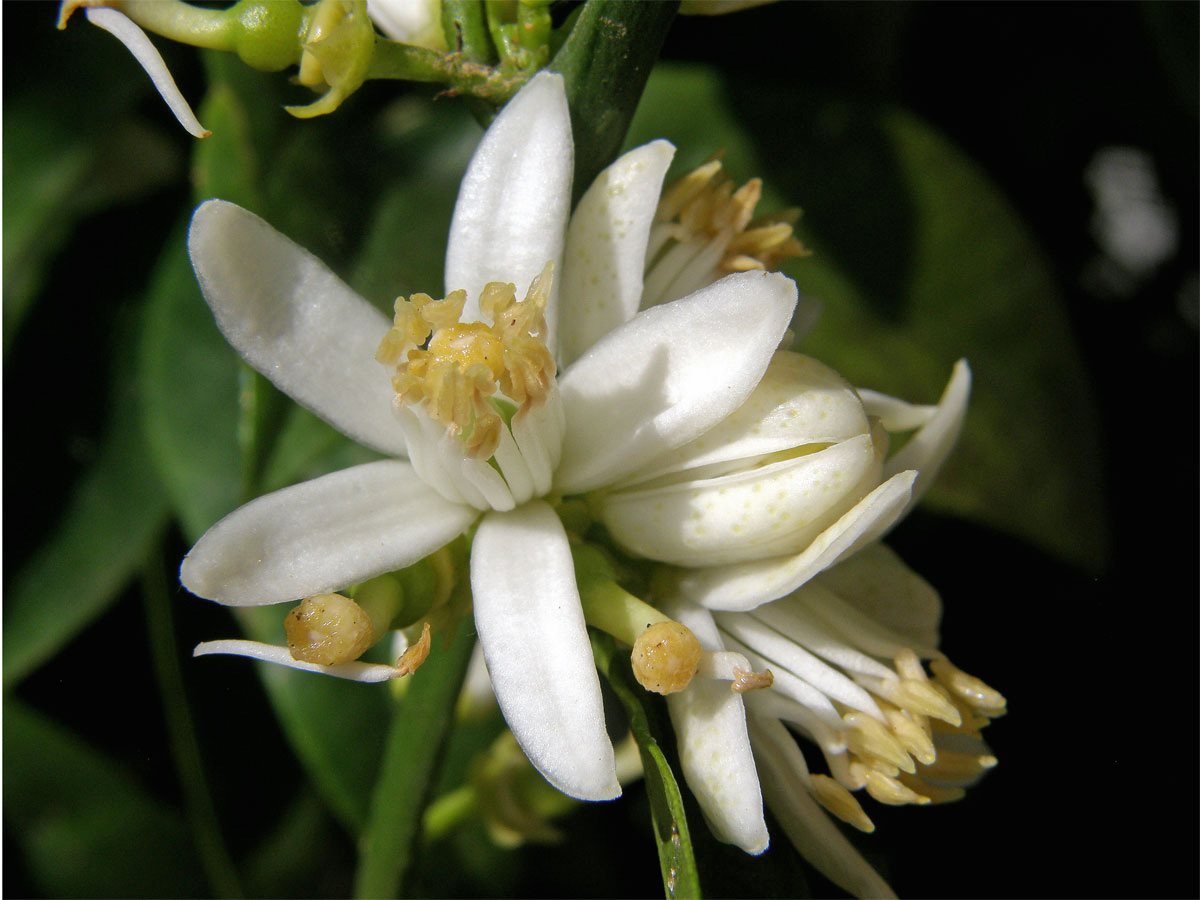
x=1096 y=791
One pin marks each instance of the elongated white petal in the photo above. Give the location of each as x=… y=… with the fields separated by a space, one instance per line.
x=353 y=671
x=322 y=535
x=535 y=642
x=811 y=831
x=668 y=375
x=798 y=402
x=515 y=198
x=879 y=585
x=896 y=414
x=768 y=511
x=930 y=446
x=128 y=33
x=714 y=748
x=606 y=247
x=743 y=586
x=296 y=322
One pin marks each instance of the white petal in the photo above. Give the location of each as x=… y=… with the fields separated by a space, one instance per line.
x=798 y=402
x=354 y=671
x=668 y=375
x=714 y=749
x=744 y=586
x=322 y=535
x=512 y=209
x=296 y=322
x=769 y=511
x=128 y=33
x=879 y=584
x=535 y=641
x=811 y=831
x=929 y=447
x=896 y=414
x=606 y=247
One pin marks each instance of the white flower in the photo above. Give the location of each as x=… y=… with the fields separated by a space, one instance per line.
x=817 y=484
x=660 y=379
x=417 y=22
x=845 y=653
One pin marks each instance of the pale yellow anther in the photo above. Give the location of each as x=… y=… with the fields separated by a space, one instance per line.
x=911 y=732
x=703 y=207
x=453 y=369
x=953 y=765
x=410 y=660
x=919 y=696
x=744 y=681
x=329 y=630
x=840 y=802
x=870 y=739
x=935 y=793
x=889 y=790
x=665 y=657
x=975 y=692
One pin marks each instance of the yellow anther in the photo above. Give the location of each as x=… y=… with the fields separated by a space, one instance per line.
x=911 y=731
x=452 y=369
x=870 y=739
x=665 y=657
x=703 y=206
x=954 y=765
x=975 y=692
x=410 y=660
x=744 y=681
x=840 y=802
x=919 y=696
x=888 y=789
x=935 y=793
x=329 y=630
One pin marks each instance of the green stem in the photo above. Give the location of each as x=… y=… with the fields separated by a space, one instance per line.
x=612 y=609
x=185 y=749
x=182 y=22
x=465 y=30
x=474 y=79
x=410 y=761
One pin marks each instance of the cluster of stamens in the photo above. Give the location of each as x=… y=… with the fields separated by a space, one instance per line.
x=704 y=229
x=455 y=370
x=883 y=725
x=910 y=758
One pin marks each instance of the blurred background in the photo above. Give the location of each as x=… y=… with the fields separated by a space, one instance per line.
x=1013 y=184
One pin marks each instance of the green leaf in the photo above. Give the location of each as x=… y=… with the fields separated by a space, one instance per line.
x=115 y=514
x=56 y=174
x=87 y=829
x=918 y=261
x=605 y=62
x=409 y=771
x=674 y=842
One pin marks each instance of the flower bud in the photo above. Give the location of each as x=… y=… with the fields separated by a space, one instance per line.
x=766 y=481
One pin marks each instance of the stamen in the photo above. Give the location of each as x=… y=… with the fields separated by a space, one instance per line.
x=751 y=681
x=975 y=692
x=328 y=629
x=871 y=741
x=887 y=789
x=840 y=802
x=665 y=657
x=410 y=660
x=703 y=229
x=461 y=373
x=935 y=793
